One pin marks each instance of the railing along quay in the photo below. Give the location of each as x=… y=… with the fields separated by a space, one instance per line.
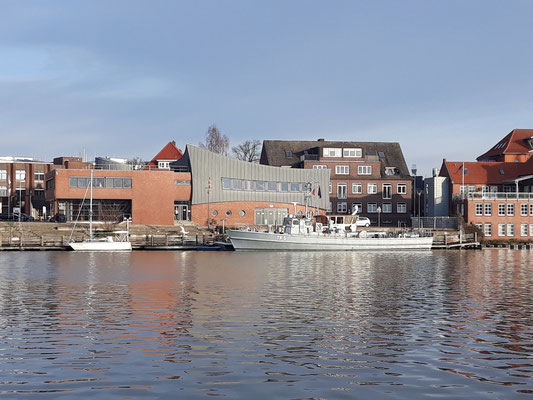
x=30 y=241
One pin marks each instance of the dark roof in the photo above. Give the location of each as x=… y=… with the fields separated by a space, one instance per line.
x=274 y=152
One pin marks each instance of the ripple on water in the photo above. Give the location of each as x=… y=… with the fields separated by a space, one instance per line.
x=287 y=325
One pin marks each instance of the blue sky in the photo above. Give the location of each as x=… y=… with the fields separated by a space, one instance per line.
x=446 y=79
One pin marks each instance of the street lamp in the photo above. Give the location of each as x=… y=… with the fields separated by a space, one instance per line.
x=209 y=188
x=379 y=216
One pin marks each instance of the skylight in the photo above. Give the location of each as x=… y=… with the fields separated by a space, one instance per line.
x=502 y=172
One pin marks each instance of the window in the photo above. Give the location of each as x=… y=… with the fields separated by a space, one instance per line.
x=501 y=229
x=320 y=166
x=372 y=188
x=352 y=152
x=176 y=182
x=530 y=229
x=364 y=170
x=488 y=209
x=342 y=169
x=20 y=175
x=3 y=191
x=163 y=164
x=372 y=208
x=401 y=208
x=531 y=209
x=214 y=213
x=471 y=189
x=386 y=191
x=295 y=187
x=357 y=207
x=99 y=182
x=462 y=189
x=284 y=186
x=39 y=176
x=260 y=186
x=331 y=152
x=357 y=188
x=288 y=153
x=242 y=213
x=272 y=186
x=330 y=188
x=226 y=183
x=523 y=229
x=510 y=209
x=3 y=174
x=342 y=207
x=479 y=208
x=479 y=226
x=127 y=183
x=501 y=209
x=391 y=171
x=401 y=188
x=487 y=229
x=510 y=229
x=523 y=210
x=117 y=182
x=236 y=184
x=73 y=182
x=508 y=188
x=228 y=213
x=342 y=191
x=387 y=208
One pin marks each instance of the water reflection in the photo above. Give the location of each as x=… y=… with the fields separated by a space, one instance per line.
x=290 y=325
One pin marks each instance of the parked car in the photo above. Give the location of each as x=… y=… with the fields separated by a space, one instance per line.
x=23 y=217
x=363 y=221
x=58 y=218
x=7 y=217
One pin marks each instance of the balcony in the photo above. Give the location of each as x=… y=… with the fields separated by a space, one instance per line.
x=309 y=157
x=497 y=196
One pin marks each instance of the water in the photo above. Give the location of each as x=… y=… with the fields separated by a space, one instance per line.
x=267 y=325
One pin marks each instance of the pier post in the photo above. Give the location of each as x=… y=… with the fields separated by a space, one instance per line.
x=42 y=241
x=166 y=240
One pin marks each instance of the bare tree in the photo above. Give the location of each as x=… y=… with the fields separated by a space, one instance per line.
x=215 y=141
x=249 y=150
x=136 y=163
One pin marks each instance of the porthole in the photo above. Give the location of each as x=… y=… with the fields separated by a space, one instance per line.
x=214 y=213
x=242 y=213
x=228 y=213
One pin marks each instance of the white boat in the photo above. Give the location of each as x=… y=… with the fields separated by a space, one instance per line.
x=298 y=233
x=120 y=241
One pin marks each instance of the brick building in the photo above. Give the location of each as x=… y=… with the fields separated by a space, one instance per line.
x=371 y=176
x=22 y=185
x=495 y=195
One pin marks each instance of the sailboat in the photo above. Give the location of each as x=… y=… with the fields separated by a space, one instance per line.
x=119 y=242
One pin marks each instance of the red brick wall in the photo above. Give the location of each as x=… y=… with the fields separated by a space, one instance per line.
x=152 y=194
x=517 y=219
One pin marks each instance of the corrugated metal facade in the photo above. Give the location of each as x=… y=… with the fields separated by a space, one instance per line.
x=205 y=164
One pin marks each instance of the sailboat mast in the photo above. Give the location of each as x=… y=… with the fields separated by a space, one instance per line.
x=91 y=209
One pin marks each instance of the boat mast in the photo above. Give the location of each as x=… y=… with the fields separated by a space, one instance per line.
x=91 y=209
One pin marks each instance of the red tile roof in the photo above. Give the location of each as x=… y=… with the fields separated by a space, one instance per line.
x=487 y=173
x=169 y=152
x=515 y=142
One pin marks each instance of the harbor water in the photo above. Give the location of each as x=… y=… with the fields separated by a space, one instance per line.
x=287 y=325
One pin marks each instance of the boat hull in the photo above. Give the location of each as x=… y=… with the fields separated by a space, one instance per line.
x=250 y=240
x=100 y=246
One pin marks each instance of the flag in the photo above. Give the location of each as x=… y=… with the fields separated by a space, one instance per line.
x=314 y=192
x=319 y=192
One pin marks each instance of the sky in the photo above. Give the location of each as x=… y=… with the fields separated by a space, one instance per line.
x=122 y=78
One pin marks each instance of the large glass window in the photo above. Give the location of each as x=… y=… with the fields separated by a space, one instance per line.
x=342 y=192
x=355 y=152
x=331 y=152
x=364 y=170
x=401 y=188
x=387 y=191
x=372 y=188
x=342 y=169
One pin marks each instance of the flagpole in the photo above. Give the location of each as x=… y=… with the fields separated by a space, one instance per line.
x=463 y=182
